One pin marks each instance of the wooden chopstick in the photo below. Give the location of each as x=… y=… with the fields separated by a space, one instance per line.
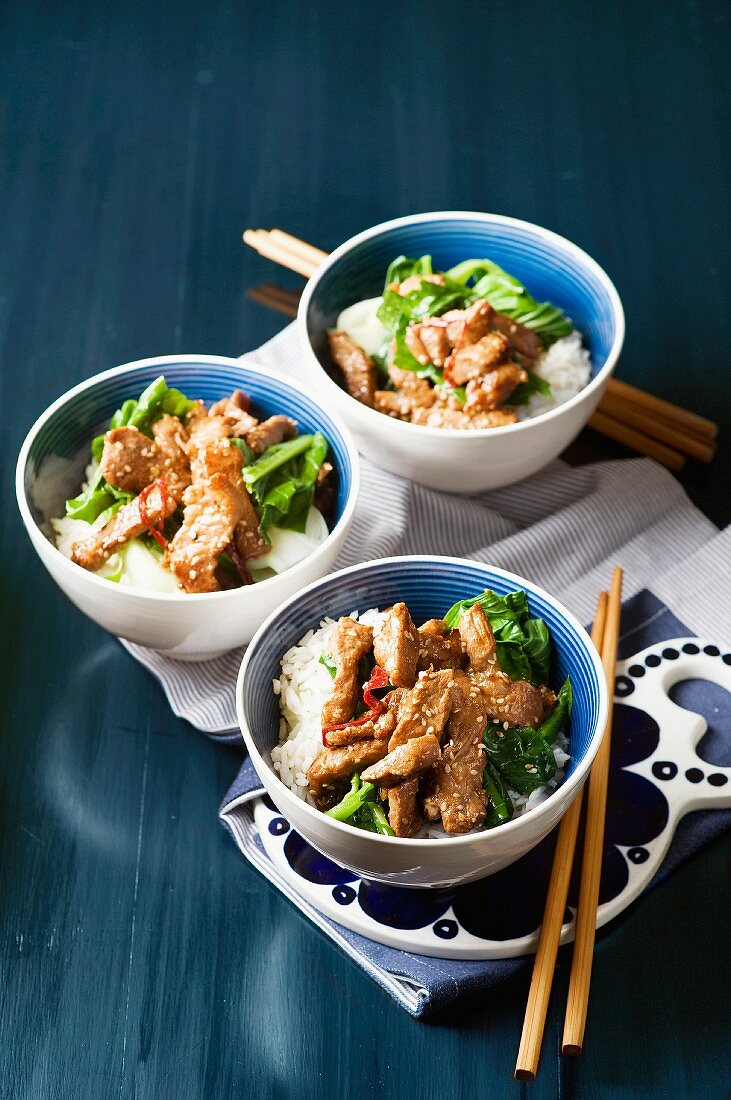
x=279 y=251
x=302 y=248
x=639 y=420
x=591 y=862
x=702 y=448
x=665 y=409
x=544 y=965
x=275 y=297
x=635 y=440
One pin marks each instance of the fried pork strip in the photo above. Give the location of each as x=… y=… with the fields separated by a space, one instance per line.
x=124 y=525
x=350 y=641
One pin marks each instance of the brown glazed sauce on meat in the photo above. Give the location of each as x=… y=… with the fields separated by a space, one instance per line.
x=420 y=744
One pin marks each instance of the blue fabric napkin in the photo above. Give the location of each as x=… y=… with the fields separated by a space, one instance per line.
x=421 y=984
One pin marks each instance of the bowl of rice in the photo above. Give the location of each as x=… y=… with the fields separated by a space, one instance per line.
x=528 y=272
x=283 y=682
x=54 y=464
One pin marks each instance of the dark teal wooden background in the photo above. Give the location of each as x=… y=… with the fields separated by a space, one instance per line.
x=141 y=956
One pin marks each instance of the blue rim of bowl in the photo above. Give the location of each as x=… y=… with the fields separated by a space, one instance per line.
x=162 y=360
x=455 y=215
x=574 y=781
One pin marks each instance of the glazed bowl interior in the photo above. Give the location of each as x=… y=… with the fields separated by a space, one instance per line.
x=428 y=586
x=551 y=268
x=56 y=451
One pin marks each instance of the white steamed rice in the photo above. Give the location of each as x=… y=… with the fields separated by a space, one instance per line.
x=303 y=686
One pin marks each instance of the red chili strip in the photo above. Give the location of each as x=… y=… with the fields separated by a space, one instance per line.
x=152 y=528
x=378 y=679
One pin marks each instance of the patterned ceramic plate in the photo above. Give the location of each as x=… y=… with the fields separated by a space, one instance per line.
x=657 y=776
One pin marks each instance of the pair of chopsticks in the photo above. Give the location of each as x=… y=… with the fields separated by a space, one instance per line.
x=605 y=635
x=627 y=415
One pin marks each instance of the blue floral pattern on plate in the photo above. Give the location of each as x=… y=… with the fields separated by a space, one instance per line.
x=656 y=777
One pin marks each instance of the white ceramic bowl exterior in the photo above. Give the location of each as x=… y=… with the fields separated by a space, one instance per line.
x=187 y=627
x=428 y=585
x=553 y=269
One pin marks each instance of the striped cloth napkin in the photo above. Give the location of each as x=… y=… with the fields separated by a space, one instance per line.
x=564 y=529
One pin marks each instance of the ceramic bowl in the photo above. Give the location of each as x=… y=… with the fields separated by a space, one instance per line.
x=552 y=268
x=429 y=586
x=189 y=627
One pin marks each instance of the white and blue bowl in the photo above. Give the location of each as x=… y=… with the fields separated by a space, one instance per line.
x=189 y=627
x=551 y=267
x=429 y=586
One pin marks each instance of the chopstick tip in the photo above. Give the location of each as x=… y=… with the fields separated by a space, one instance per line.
x=571 y=1050
x=523 y=1074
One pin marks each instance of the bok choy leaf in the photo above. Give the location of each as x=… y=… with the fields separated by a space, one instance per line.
x=282 y=481
x=522 y=642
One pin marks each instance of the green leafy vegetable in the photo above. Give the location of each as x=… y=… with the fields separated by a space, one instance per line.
x=282 y=481
x=429 y=300
x=499 y=803
x=156 y=400
x=523 y=643
x=402 y=267
x=522 y=757
x=525 y=390
x=353 y=800
x=245 y=449
x=99 y=497
x=379 y=818
x=361 y=808
x=153 y=403
x=558 y=719
x=326 y=660
x=508 y=296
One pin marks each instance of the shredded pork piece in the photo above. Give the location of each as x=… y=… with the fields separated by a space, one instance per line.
x=235 y=411
x=478 y=639
x=405 y=761
x=124 y=525
x=474 y=360
x=396 y=646
x=403 y=809
x=494 y=388
x=456 y=791
x=379 y=728
x=358 y=369
x=171 y=440
x=526 y=343
x=392 y=403
x=130 y=460
x=440 y=648
x=333 y=765
x=417 y=390
x=212 y=510
x=269 y=432
x=425 y=709
x=350 y=641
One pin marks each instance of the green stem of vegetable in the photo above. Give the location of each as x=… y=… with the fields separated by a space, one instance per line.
x=274 y=457
x=380 y=819
x=500 y=806
x=353 y=801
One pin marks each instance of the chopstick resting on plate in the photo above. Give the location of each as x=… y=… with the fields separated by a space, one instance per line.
x=605 y=635
x=553 y=914
x=638 y=420
x=591 y=862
